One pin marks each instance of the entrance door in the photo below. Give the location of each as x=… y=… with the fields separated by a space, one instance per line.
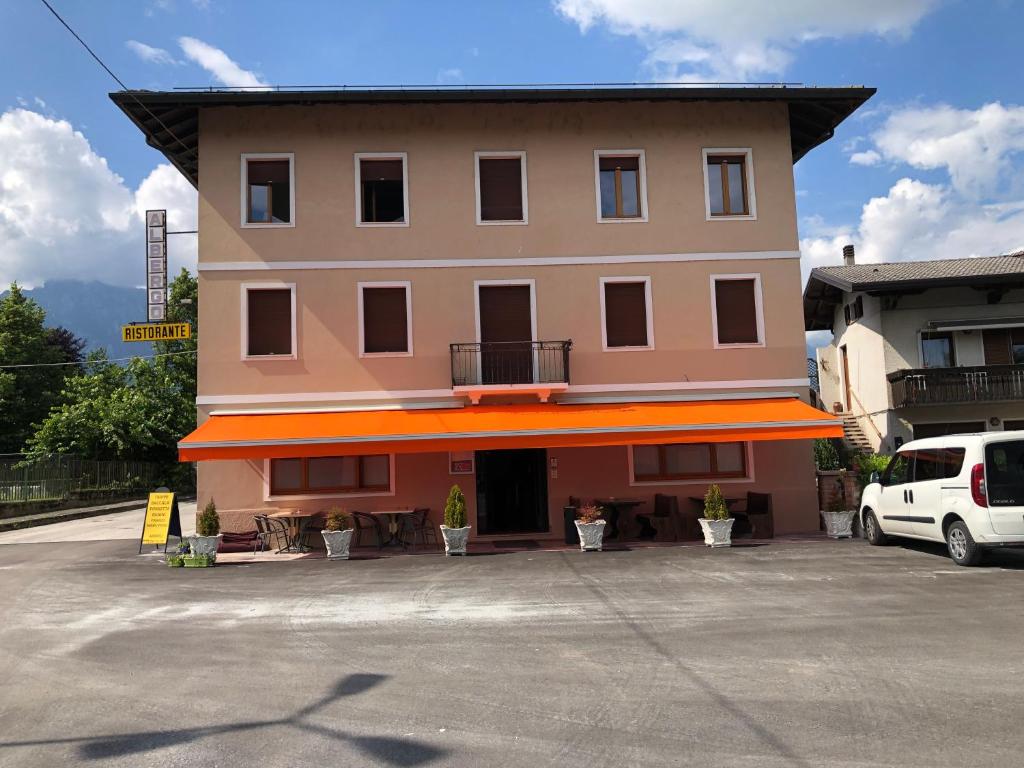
x=512 y=491
x=506 y=330
x=846 y=378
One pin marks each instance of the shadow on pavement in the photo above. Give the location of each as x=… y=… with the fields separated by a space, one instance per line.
x=393 y=751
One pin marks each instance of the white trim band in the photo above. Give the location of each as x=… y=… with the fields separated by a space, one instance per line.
x=529 y=261
x=412 y=394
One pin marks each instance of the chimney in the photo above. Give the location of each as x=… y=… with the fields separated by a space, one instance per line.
x=848 y=258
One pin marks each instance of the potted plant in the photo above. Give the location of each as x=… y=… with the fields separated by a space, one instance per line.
x=454 y=530
x=337 y=533
x=176 y=559
x=198 y=561
x=838 y=519
x=716 y=523
x=590 y=526
x=207 y=537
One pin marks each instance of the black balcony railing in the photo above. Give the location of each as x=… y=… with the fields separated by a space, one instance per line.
x=510 y=362
x=968 y=384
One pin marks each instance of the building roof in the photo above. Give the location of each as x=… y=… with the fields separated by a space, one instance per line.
x=170 y=119
x=826 y=285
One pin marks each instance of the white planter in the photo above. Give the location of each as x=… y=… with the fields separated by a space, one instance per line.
x=455 y=539
x=591 y=535
x=204 y=545
x=717 y=533
x=839 y=525
x=337 y=543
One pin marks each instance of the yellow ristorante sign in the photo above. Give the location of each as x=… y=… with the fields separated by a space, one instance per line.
x=156 y=332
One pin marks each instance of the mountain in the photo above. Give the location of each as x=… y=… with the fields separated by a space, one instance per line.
x=94 y=311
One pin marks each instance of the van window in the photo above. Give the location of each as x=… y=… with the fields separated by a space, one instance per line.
x=1004 y=473
x=898 y=471
x=954 y=461
x=929 y=464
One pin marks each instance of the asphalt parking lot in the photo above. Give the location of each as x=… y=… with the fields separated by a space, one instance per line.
x=789 y=654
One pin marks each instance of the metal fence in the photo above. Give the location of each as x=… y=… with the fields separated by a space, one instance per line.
x=510 y=362
x=60 y=478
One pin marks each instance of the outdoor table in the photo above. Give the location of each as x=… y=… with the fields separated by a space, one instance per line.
x=393 y=527
x=615 y=507
x=297 y=521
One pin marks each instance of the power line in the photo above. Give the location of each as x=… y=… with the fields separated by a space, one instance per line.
x=105 y=360
x=118 y=80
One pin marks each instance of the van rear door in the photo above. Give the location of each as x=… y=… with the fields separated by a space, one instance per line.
x=1004 y=484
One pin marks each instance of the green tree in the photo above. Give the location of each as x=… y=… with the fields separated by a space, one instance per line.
x=26 y=393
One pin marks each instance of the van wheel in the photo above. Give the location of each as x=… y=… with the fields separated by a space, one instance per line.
x=962 y=548
x=872 y=530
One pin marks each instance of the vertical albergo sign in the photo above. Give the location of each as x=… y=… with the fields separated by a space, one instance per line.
x=156 y=265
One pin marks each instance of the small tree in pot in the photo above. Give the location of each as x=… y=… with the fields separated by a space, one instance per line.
x=337 y=533
x=590 y=526
x=208 y=535
x=716 y=523
x=454 y=530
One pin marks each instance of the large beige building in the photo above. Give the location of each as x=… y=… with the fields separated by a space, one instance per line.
x=537 y=294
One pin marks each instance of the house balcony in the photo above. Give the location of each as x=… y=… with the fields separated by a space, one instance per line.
x=538 y=368
x=949 y=386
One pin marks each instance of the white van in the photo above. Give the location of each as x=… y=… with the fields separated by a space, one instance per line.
x=965 y=490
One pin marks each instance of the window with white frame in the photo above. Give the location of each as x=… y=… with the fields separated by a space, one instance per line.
x=501 y=188
x=626 y=313
x=681 y=462
x=382 y=189
x=385 y=319
x=330 y=475
x=621 y=181
x=729 y=184
x=268 y=320
x=268 y=190
x=737 y=312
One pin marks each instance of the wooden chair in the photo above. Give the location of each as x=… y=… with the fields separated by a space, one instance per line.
x=760 y=514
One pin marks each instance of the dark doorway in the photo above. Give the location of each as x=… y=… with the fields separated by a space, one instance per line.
x=947 y=428
x=512 y=491
x=848 y=401
x=506 y=330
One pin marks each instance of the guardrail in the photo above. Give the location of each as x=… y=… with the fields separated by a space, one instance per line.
x=510 y=362
x=966 y=384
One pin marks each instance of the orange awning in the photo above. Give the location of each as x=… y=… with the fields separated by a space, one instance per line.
x=548 y=425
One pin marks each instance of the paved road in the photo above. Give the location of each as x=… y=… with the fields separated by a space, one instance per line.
x=125 y=524
x=793 y=654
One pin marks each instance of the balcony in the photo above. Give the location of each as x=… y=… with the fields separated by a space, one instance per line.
x=947 y=386
x=510 y=367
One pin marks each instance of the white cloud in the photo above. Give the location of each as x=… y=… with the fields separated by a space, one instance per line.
x=868 y=157
x=738 y=39
x=976 y=147
x=916 y=221
x=223 y=69
x=150 y=54
x=64 y=213
x=450 y=75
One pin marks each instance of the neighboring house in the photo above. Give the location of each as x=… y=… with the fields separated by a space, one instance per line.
x=921 y=348
x=534 y=293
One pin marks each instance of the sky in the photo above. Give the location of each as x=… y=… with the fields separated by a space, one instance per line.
x=929 y=168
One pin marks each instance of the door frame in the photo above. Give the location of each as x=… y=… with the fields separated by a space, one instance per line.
x=527 y=281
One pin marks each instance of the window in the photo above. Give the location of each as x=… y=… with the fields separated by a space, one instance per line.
x=737 y=313
x=626 y=313
x=1003 y=346
x=330 y=474
x=268 y=320
x=937 y=350
x=1004 y=473
x=621 y=185
x=385 y=318
x=689 y=461
x=382 y=197
x=854 y=311
x=729 y=183
x=899 y=469
x=501 y=188
x=268 y=190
